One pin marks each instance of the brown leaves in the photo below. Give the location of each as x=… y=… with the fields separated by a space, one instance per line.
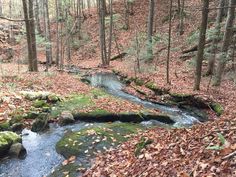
x=70 y=160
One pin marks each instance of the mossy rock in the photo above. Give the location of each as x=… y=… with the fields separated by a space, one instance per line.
x=35 y=95
x=17 y=127
x=159 y=91
x=217 y=108
x=40 y=104
x=16 y=119
x=139 y=81
x=179 y=97
x=32 y=115
x=40 y=124
x=74 y=102
x=70 y=169
x=4 y=126
x=53 y=98
x=88 y=142
x=201 y=114
x=8 y=138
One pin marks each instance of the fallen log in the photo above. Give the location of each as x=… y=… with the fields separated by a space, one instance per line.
x=122 y=55
x=195 y=48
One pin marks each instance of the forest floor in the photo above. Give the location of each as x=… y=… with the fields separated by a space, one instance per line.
x=173 y=152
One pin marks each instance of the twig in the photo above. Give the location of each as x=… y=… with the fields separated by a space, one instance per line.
x=229 y=155
x=13 y=20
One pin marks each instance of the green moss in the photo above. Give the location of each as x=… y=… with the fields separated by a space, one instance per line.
x=40 y=124
x=99 y=93
x=16 y=116
x=142 y=145
x=8 y=138
x=4 y=126
x=139 y=82
x=32 y=115
x=217 y=108
x=98 y=112
x=152 y=86
x=53 y=98
x=178 y=97
x=71 y=169
x=40 y=104
x=98 y=139
x=71 y=104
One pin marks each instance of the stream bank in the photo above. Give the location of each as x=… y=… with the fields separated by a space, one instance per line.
x=88 y=107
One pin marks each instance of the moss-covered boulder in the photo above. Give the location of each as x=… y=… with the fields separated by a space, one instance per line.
x=30 y=95
x=41 y=123
x=217 y=108
x=71 y=170
x=32 y=115
x=180 y=97
x=157 y=90
x=74 y=102
x=8 y=138
x=5 y=126
x=88 y=142
x=40 y=104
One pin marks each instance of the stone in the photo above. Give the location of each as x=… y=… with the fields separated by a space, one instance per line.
x=17 y=127
x=8 y=138
x=40 y=104
x=17 y=150
x=53 y=98
x=66 y=117
x=40 y=124
x=98 y=138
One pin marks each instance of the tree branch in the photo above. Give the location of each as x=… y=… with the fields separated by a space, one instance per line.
x=14 y=20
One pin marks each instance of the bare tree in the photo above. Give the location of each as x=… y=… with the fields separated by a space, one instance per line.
x=169 y=45
x=47 y=34
x=201 y=45
x=211 y=61
x=181 y=17
x=37 y=19
x=102 y=32
x=30 y=32
x=1 y=13
x=150 y=29
x=226 y=43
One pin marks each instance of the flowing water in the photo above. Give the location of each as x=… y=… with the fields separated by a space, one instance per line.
x=112 y=85
x=42 y=157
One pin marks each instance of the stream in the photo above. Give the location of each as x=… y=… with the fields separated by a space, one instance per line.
x=42 y=157
x=113 y=86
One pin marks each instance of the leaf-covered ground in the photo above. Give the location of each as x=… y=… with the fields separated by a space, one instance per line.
x=204 y=150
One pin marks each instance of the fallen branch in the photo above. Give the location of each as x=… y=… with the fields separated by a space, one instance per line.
x=229 y=155
x=122 y=55
x=195 y=48
x=13 y=20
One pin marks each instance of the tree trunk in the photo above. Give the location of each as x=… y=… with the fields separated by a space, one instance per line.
x=110 y=32
x=126 y=15
x=47 y=34
x=219 y=17
x=201 y=45
x=30 y=33
x=150 y=30
x=58 y=35
x=1 y=13
x=101 y=12
x=169 y=45
x=27 y=24
x=38 y=26
x=33 y=37
x=181 y=17
x=226 y=43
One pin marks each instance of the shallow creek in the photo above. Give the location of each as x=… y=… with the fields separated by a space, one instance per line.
x=42 y=157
